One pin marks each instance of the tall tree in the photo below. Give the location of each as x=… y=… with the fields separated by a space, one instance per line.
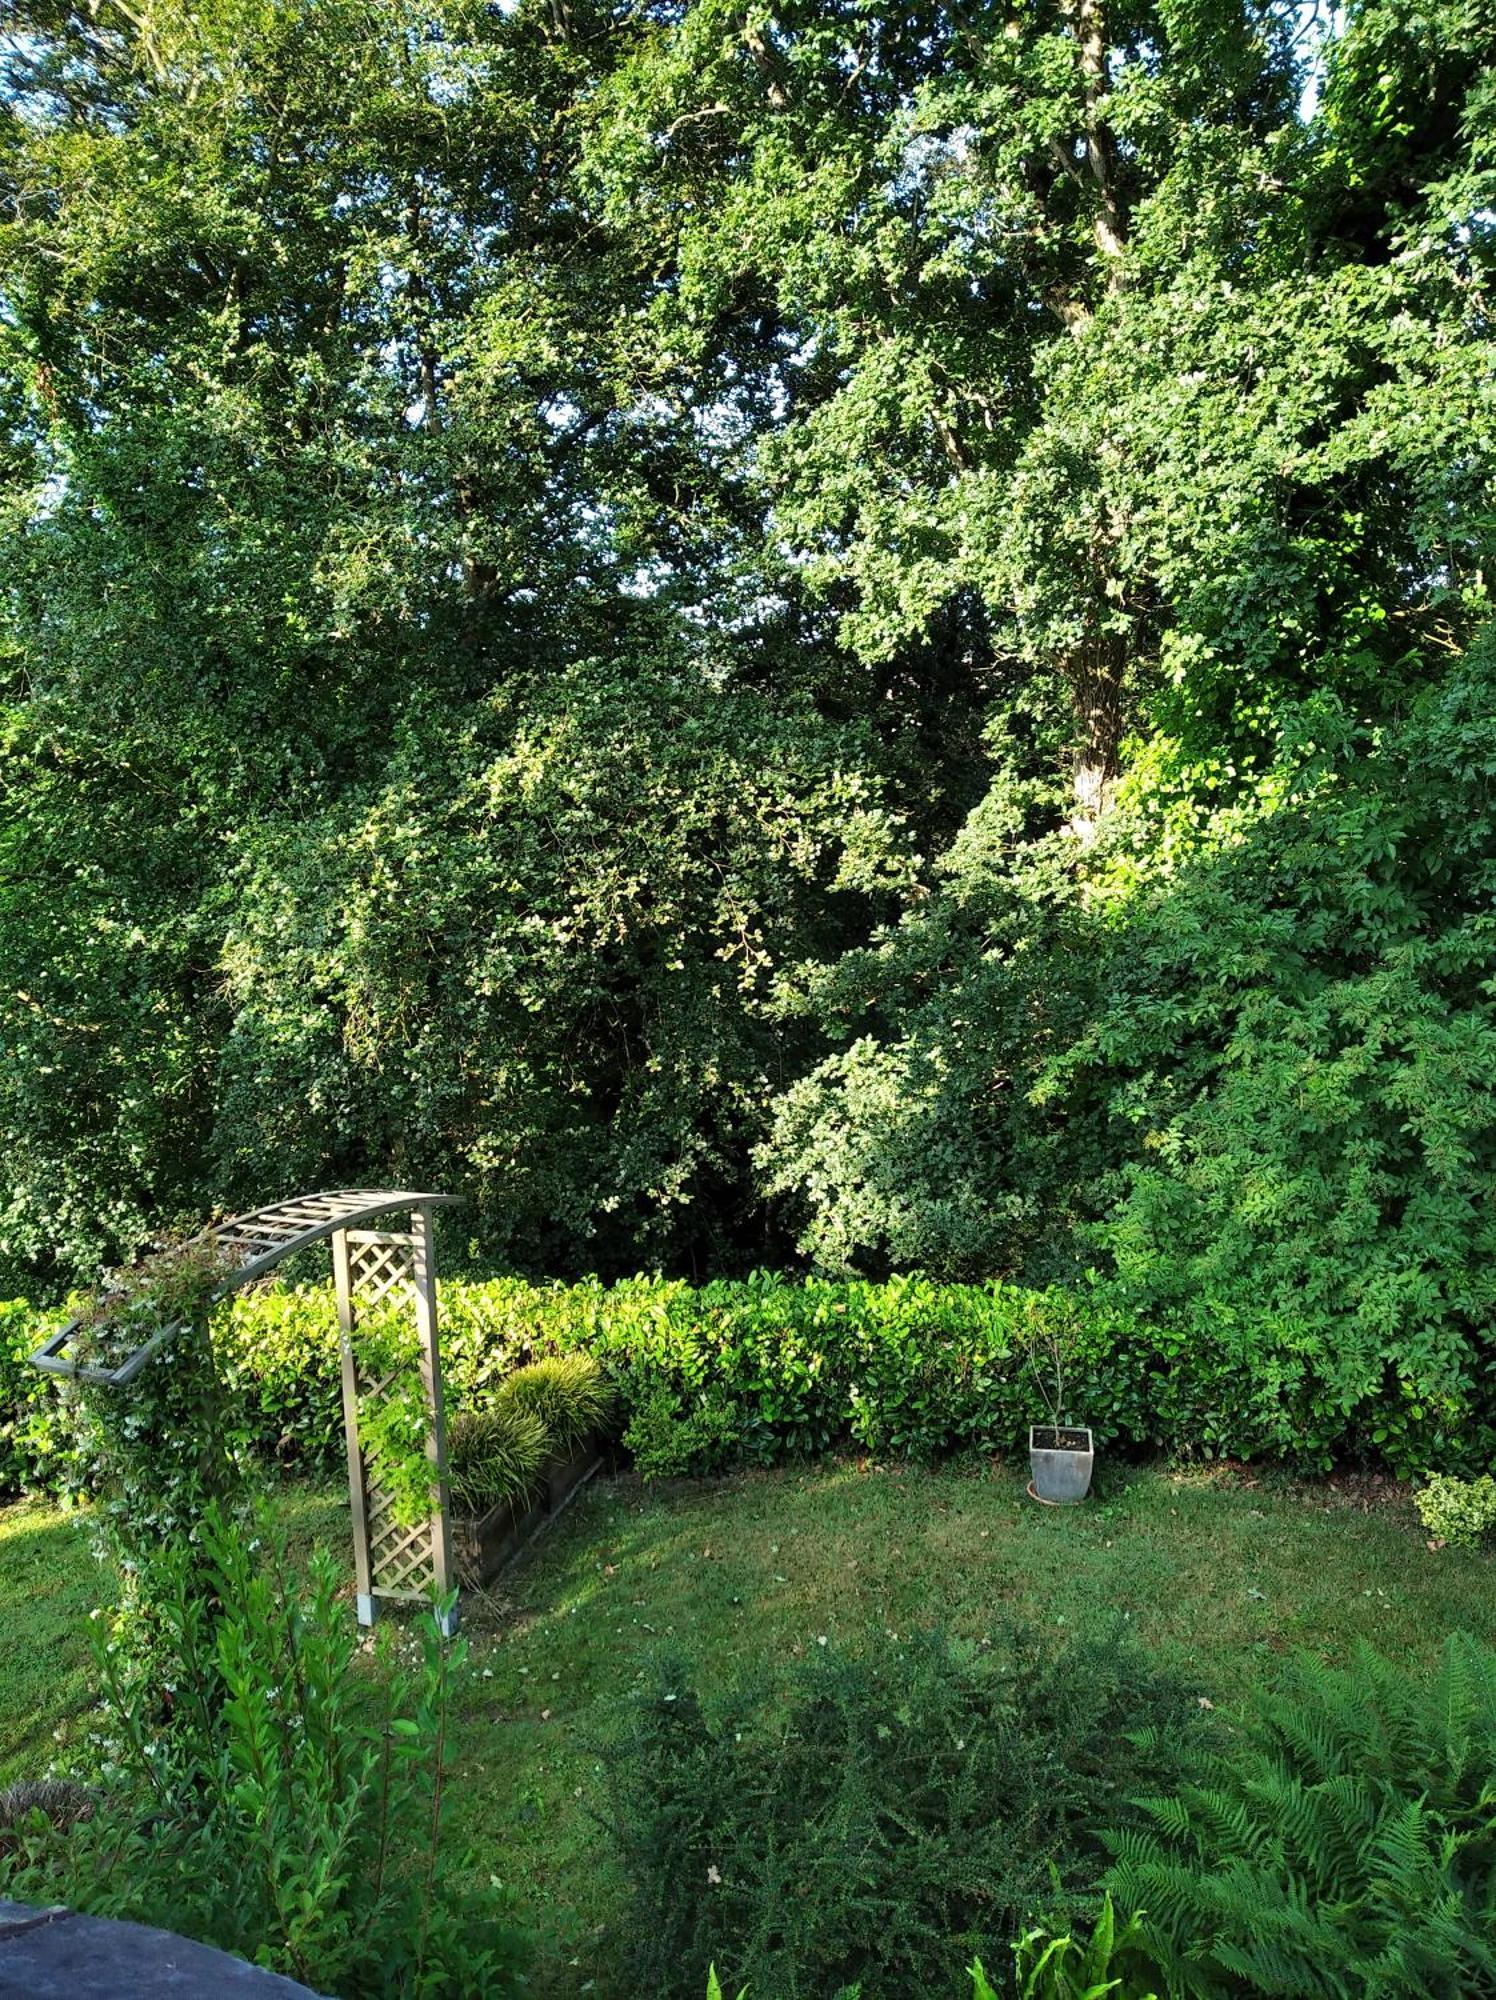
x=573 y=572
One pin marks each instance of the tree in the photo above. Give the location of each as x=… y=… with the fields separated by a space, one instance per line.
x=588 y=591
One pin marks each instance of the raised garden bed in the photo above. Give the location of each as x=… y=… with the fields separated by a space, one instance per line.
x=486 y=1543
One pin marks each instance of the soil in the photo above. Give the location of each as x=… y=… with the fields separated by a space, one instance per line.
x=1046 y=1438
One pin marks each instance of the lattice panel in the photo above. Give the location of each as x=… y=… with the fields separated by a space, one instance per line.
x=381 y=1269
x=381 y=1274
x=402 y=1561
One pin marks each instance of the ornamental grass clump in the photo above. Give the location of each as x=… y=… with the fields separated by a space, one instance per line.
x=496 y=1455
x=568 y=1392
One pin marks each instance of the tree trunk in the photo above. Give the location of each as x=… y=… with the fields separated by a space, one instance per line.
x=1095 y=677
x=1095 y=674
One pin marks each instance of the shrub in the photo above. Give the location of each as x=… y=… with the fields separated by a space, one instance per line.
x=755 y=1371
x=671 y=1437
x=292 y=1813
x=880 y=1821
x=568 y=1392
x=1346 y=1846
x=496 y=1455
x=1458 y=1511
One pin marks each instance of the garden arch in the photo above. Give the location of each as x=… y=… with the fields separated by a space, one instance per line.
x=371 y=1267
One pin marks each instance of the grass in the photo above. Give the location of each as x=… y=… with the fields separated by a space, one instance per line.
x=1217 y=1574
x=50 y=1584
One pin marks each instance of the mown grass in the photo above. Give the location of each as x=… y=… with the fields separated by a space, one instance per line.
x=1217 y=1575
x=48 y=1585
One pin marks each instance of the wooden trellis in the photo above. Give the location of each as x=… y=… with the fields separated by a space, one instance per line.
x=373 y=1268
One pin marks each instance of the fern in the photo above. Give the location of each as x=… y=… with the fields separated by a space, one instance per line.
x=1345 y=1848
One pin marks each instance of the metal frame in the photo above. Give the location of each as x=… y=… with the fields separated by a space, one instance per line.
x=391 y=1562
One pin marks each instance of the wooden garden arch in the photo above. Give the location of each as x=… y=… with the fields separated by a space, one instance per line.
x=392 y=1563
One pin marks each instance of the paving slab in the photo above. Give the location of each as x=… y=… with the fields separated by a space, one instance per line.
x=57 y=1954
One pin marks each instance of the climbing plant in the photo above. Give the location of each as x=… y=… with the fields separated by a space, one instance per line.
x=157 y=1451
x=394 y=1425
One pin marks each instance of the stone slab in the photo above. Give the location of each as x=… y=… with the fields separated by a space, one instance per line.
x=58 y=1955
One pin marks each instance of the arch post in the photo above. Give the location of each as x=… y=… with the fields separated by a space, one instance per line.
x=424 y=1276
x=358 y=1491
x=393 y=1560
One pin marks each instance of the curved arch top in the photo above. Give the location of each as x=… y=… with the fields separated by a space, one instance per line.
x=251 y=1244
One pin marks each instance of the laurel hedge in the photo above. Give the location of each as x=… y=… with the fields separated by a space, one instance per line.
x=754 y=1371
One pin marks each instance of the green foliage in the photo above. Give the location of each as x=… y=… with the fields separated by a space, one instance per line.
x=769 y=1368
x=853 y=623
x=157 y=1452
x=569 y=1393
x=881 y=1819
x=557 y=921
x=672 y=1436
x=496 y=1455
x=291 y=1814
x=36 y=1447
x=1111 y=1961
x=1252 y=1071
x=394 y=1422
x=1458 y=1511
x=1345 y=1845
x=282 y=1374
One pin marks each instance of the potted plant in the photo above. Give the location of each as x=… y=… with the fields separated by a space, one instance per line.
x=1061 y=1454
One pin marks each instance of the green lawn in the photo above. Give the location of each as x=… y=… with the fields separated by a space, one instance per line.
x=1217 y=1575
x=48 y=1584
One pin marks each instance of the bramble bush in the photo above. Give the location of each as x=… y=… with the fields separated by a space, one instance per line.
x=753 y=1371
x=884 y=1818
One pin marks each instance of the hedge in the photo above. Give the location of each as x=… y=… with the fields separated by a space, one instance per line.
x=753 y=1371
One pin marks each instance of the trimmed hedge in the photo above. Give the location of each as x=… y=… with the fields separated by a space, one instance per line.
x=35 y=1447
x=765 y=1368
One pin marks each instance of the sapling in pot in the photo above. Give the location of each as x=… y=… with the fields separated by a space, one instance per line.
x=1061 y=1454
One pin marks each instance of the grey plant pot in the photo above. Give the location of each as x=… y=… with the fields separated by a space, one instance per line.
x=1061 y=1466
